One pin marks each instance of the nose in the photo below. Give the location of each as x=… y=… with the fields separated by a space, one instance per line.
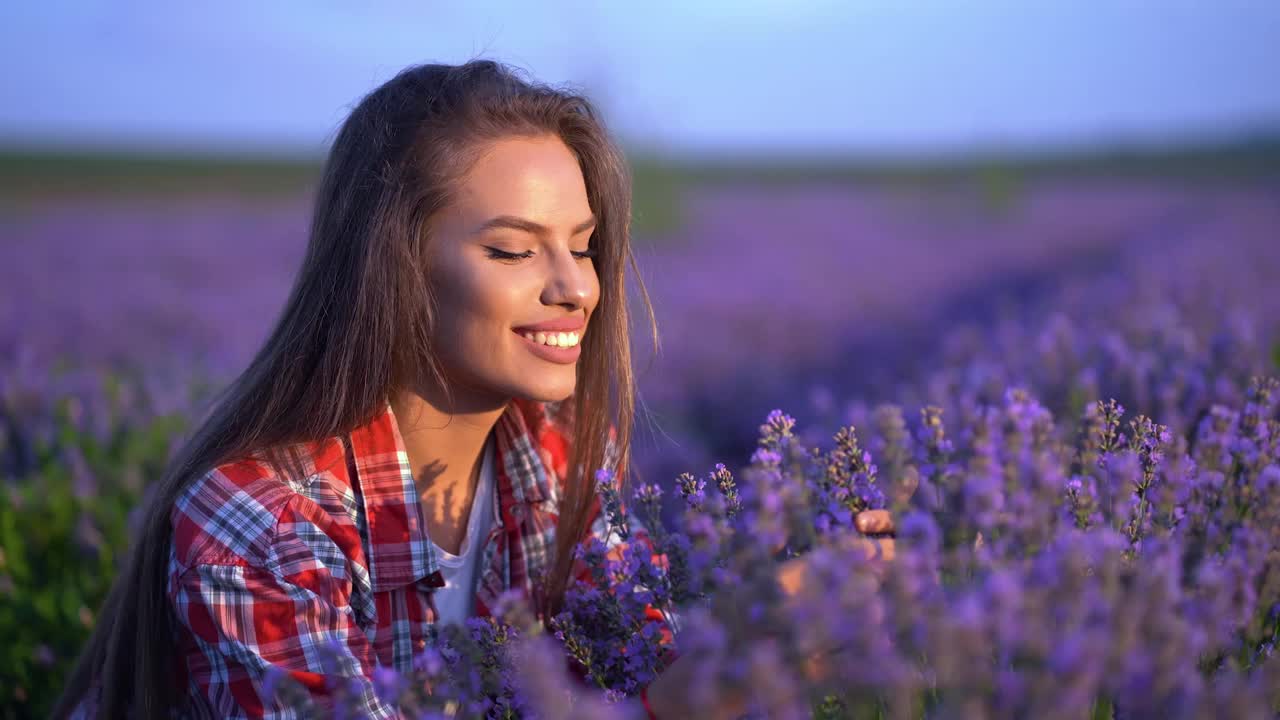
x=570 y=282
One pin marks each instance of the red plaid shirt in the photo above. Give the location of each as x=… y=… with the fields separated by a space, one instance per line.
x=263 y=573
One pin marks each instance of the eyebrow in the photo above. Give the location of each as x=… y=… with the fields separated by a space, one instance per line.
x=517 y=223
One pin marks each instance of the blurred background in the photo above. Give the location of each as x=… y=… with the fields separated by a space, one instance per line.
x=833 y=200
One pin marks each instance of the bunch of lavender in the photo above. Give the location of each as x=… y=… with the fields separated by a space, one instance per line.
x=1109 y=570
x=617 y=628
x=605 y=624
x=501 y=667
x=1132 y=575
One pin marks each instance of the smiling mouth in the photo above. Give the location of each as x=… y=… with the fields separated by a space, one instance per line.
x=556 y=339
x=566 y=355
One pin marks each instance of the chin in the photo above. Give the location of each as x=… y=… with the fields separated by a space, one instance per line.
x=550 y=392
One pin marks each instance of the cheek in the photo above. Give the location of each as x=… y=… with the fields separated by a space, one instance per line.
x=455 y=310
x=482 y=310
x=594 y=300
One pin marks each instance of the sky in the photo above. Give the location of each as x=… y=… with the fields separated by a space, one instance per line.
x=871 y=76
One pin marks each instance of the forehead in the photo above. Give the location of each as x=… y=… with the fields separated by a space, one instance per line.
x=537 y=178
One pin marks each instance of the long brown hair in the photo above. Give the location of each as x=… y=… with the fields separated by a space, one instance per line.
x=357 y=325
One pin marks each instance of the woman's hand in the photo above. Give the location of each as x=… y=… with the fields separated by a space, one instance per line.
x=671 y=693
x=875 y=541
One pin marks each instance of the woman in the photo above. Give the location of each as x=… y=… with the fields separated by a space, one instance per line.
x=419 y=432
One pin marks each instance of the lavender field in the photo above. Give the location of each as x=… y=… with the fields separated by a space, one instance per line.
x=822 y=300
x=972 y=337
x=808 y=294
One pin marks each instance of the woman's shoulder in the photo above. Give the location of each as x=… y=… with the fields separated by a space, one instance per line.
x=230 y=514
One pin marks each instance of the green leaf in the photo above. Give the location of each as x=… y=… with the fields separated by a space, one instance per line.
x=15 y=551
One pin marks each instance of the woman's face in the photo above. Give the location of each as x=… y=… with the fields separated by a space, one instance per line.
x=506 y=260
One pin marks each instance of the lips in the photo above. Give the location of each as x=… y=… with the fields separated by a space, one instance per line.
x=567 y=324
x=558 y=355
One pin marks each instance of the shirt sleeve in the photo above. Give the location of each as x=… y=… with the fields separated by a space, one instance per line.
x=255 y=630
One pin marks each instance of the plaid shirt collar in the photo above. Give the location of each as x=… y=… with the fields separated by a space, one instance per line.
x=399 y=549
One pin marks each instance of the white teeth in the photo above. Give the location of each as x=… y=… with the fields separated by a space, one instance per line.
x=554 y=339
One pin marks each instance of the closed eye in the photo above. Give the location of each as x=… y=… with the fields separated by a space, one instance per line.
x=496 y=254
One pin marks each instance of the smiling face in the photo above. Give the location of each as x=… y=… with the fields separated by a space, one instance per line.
x=508 y=258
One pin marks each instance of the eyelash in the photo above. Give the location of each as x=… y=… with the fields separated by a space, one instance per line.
x=497 y=254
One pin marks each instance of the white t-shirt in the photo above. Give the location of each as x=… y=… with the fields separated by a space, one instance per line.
x=455 y=602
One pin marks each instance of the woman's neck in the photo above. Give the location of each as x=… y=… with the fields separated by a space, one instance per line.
x=445 y=448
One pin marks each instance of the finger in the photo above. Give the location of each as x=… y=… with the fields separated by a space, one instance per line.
x=815 y=667
x=888 y=548
x=819 y=665
x=791 y=575
x=872 y=548
x=874 y=522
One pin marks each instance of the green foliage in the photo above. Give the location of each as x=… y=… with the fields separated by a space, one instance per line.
x=657 y=189
x=64 y=531
x=1000 y=187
